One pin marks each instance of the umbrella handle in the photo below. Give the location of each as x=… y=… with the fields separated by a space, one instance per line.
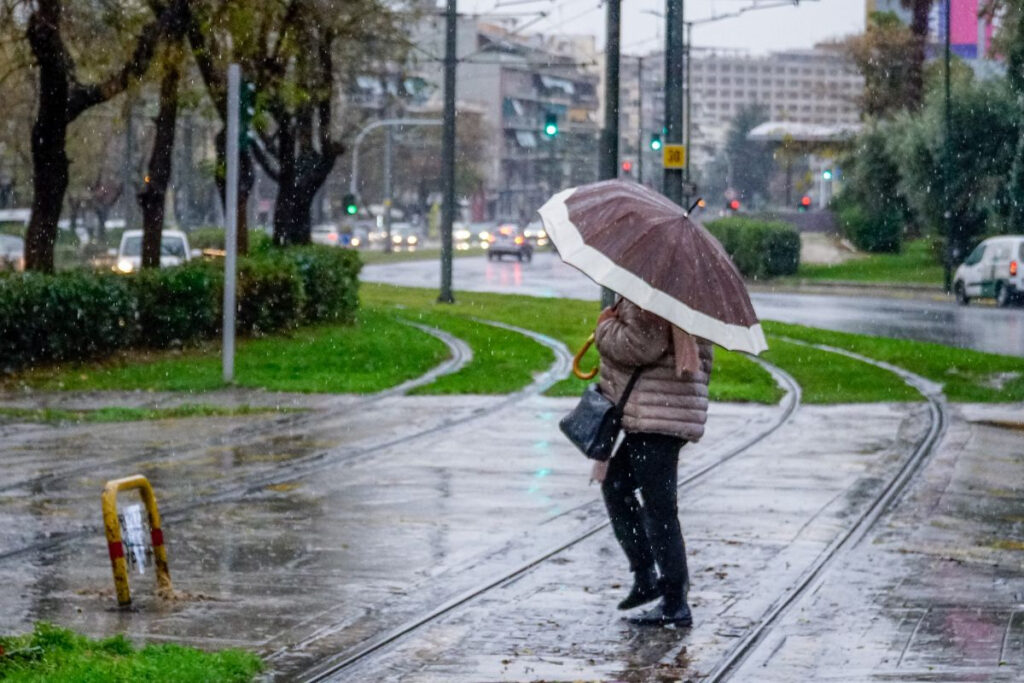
x=579 y=356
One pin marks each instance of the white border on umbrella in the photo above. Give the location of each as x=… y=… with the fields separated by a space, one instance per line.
x=606 y=272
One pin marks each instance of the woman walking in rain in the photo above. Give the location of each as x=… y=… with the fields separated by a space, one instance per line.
x=680 y=293
x=666 y=409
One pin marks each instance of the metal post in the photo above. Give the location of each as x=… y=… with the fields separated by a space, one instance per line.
x=231 y=221
x=608 y=167
x=673 y=177
x=689 y=109
x=448 y=155
x=640 y=120
x=947 y=266
x=388 y=151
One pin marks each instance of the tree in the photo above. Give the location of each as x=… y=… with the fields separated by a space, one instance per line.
x=919 y=11
x=299 y=55
x=153 y=197
x=750 y=163
x=63 y=97
x=983 y=117
x=881 y=55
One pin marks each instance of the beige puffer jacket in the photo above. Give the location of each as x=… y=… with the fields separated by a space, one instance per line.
x=662 y=401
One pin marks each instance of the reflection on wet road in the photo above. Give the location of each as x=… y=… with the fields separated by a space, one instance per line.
x=984 y=328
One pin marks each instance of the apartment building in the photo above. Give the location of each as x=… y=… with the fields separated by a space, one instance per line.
x=517 y=82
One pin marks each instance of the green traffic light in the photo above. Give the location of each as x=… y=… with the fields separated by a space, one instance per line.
x=827 y=174
x=656 y=142
x=551 y=125
x=351 y=209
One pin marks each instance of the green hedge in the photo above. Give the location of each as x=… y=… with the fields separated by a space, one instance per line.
x=760 y=249
x=75 y=314
x=84 y=314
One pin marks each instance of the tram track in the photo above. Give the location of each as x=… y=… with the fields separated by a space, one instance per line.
x=336 y=665
x=884 y=501
x=297 y=468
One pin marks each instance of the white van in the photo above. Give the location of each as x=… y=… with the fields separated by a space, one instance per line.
x=174 y=250
x=995 y=269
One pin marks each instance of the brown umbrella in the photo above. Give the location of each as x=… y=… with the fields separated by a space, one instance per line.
x=639 y=244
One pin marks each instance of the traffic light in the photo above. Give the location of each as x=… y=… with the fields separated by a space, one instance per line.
x=827 y=174
x=627 y=167
x=805 y=203
x=551 y=124
x=349 y=202
x=734 y=205
x=246 y=113
x=656 y=142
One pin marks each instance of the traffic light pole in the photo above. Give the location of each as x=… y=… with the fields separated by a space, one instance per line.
x=947 y=214
x=672 y=186
x=689 y=110
x=609 y=161
x=448 y=155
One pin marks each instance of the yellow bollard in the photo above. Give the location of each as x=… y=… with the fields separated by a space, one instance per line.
x=116 y=548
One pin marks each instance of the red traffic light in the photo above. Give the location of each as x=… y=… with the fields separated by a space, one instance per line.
x=627 y=166
x=734 y=205
x=805 y=201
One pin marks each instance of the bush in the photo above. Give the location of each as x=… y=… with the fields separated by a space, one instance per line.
x=759 y=248
x=177 y=306
x=874 y=231
x=270 y=295
x=83 y=314
x=69 y=316
x=330 y=278
x=210 y=237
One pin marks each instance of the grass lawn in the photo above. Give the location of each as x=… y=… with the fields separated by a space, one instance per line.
x=121 y=414
x=915 y=264
x=827 y=378
x=377 y=353
x=968 y=376
x=570 y=321
x=57 y=655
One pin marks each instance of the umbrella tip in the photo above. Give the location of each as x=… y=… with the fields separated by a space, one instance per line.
x=693 y=206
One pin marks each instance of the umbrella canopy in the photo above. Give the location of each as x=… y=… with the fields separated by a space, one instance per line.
x=639 y=244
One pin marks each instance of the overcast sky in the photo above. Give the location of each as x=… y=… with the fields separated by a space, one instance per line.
x=762 y=30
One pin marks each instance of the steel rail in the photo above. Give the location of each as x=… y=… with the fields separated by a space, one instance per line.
x=883 y=502
x=326 y=669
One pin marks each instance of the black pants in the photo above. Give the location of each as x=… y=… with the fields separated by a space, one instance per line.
x=647 y=532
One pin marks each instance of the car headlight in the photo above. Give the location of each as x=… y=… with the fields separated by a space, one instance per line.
x=355 y=242
x=125 y=266
x=462 y=235
x=396 y=239
x=412 y=239
x=484 y=236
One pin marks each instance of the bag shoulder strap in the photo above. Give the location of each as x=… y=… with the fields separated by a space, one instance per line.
x=621 y=405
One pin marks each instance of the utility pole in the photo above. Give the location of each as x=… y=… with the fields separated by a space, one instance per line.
x=231 y=219
x=448 y=155
x=689 y=109
x=609 y=161
x=951 y=248
x=640 y=120
x=388 y=189
x=672 y=186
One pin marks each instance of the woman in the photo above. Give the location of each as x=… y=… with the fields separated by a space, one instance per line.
x=667 y=408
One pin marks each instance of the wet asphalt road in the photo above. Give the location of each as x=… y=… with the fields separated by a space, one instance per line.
x=979 y=327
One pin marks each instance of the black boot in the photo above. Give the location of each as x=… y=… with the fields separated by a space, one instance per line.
x=645 y=589
x=672 y=609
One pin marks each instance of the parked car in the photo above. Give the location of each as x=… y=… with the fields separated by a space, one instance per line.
x=174 y=250
x=507 y=240
x=12 y=252
x=326 y=233
x=994 y=269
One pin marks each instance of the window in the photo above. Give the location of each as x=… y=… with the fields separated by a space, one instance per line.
x=975 y=256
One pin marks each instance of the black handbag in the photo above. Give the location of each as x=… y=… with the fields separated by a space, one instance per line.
x=595 y=422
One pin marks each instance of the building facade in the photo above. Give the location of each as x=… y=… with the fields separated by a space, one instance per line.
x=517 y=83
x=816 y=86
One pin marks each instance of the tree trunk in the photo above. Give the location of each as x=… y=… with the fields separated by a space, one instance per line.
x=153 y=197
x=919 y=27
x=49 y=134
x=246 y=180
